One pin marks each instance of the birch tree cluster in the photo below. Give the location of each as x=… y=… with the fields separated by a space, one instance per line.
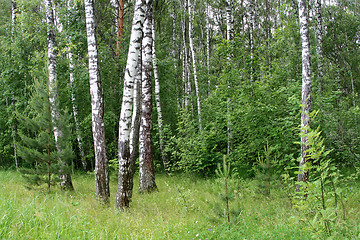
x=167 y=86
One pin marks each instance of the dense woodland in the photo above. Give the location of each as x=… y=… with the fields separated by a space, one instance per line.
x=225 y=90
x=119 y=88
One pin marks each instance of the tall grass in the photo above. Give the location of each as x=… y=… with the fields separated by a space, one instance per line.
x=183 y=208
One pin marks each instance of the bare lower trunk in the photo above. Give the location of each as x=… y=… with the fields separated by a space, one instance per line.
x=319 y=46
x=66 y=182
x=97 y=108
x=251 y=38
x=306 y=90
x=146 y=160
x=158 y=102
x=135 y=127
x=75 y=112
x=191 y=43
x=122 y=198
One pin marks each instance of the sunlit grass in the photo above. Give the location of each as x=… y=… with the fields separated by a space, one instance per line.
x=181 y=209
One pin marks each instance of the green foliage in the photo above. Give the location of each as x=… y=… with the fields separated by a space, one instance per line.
x=43 y=158
x=320 y=200
x=225 y=194
x=266 y=171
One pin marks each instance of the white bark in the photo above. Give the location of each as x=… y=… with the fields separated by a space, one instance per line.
x=97 y=108
x=146 y=160
x=13 y=131
x=66 y=182
x=251 y=40
x=122 y=198
x=306 y=86
x=73 y=98
x=135 y=127
x=229 y=21
x=319 y=46
x=208 y=45
x=191 y=42
x=229 y=36
x=75 y=110
x=157 y=101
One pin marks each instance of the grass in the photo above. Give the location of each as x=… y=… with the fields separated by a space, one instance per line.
x=183 y=208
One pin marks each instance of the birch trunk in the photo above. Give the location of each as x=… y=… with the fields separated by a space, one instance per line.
x=97 y=108
x=146 y=160
x=13 y=17
x=185 y=61
x=229 y=21
x=191 y=42
x=208 y=45
x=135 y=126
x=75 y=111
x=66 y=182
x=306 y=89
x=158 y=102
x=12 y=126
x=319 y=47
x=251 y=40
x=229 y=37
x=73 y=100
x=122 y=197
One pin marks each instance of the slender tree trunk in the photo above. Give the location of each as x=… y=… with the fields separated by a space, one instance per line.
x=208 y=45
x=191 y=41
x=306 y=89
x=146 y=159
x=135 y=126
x=73 y=99
x=229 y=37
x=66 y=182
x=186 y=90
x=13 y=17
x=158 y=102
x=75 y=111
x=12 y=126
x=251 y=38
x=319 y=46
x=122 y=197
x=97 y=108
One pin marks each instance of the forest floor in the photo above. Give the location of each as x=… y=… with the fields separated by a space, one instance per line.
x=185 y=207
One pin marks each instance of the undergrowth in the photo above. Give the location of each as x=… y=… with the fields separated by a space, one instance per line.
x=182 y=209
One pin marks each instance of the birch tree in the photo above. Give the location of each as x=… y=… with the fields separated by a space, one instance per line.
x=306 y=89
x=97 y=108
x=229 y=37
x=319 y=46
x=146 y=160
x=135 y=126
x=122 y=197
x=73 y=97
x=66 y=182
x=157 y=100
x=191 y=43
x=208 y=44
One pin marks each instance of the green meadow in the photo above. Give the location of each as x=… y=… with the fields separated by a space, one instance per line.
x=183 y=208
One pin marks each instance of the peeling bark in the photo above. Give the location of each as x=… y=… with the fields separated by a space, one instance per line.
x=66 y=182
x=191 y=43
x=158 y=102
x=146 y=160
x=306 y=88
x=97 y=108
x=122 y=198
x=319 y=46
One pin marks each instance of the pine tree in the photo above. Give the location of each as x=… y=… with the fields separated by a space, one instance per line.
x=41 y=159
